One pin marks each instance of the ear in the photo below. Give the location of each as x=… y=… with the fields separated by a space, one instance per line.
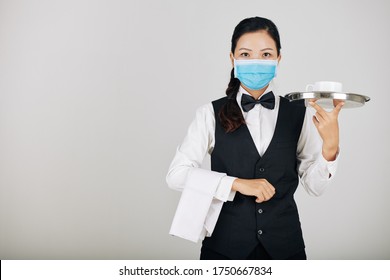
x=279 y=58
x=232 y=59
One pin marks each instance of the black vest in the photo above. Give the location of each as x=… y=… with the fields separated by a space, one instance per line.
x=243 y=223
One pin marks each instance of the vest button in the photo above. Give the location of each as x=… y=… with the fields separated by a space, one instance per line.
x=260 y=232
x=261 y=169
x=260 y=211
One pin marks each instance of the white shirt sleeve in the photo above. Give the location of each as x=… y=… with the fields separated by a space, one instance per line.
x=186 y=165
x=314 y=171
x=203 y=191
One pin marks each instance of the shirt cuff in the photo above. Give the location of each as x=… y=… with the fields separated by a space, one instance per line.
x=224 y=190
x=328 y=168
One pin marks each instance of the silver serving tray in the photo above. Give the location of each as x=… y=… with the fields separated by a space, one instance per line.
x=325 y=99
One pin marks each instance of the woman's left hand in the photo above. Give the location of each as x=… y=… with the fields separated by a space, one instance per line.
x=328 y=127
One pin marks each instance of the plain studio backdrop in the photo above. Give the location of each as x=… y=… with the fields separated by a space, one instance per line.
x=95 y=97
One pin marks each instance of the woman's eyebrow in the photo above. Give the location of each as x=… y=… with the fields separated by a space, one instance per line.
x=267 y=49
x=245 y=49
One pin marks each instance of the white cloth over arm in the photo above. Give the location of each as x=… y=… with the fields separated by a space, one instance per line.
x=203 y=191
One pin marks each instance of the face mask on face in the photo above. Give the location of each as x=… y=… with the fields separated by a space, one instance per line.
x=255 y=74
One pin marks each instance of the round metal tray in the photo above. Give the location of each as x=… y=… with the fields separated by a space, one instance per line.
x=325 y=99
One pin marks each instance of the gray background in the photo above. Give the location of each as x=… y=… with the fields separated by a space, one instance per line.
x=90 y=120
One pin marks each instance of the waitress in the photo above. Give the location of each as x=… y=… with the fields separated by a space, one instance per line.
x=261 y=147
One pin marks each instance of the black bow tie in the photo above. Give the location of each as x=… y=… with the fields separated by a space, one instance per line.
x=267 y=101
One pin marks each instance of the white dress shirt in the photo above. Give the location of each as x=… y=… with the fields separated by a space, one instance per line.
x=205 y=191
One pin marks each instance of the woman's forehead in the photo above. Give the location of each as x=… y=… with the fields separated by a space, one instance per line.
x=256 y=41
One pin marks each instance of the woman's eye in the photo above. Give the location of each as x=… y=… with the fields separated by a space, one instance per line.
x=267 y=55
x=244 y=54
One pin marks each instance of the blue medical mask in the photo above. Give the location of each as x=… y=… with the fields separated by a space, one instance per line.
x=255 y=74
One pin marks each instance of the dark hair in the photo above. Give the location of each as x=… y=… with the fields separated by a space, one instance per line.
x=230 y=114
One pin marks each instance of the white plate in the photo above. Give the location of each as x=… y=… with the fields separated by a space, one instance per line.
x=325 y=98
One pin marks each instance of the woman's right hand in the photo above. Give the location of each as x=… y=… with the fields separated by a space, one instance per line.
x=260 y=188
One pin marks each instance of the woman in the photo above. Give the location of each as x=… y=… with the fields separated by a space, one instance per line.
x=261 y=146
